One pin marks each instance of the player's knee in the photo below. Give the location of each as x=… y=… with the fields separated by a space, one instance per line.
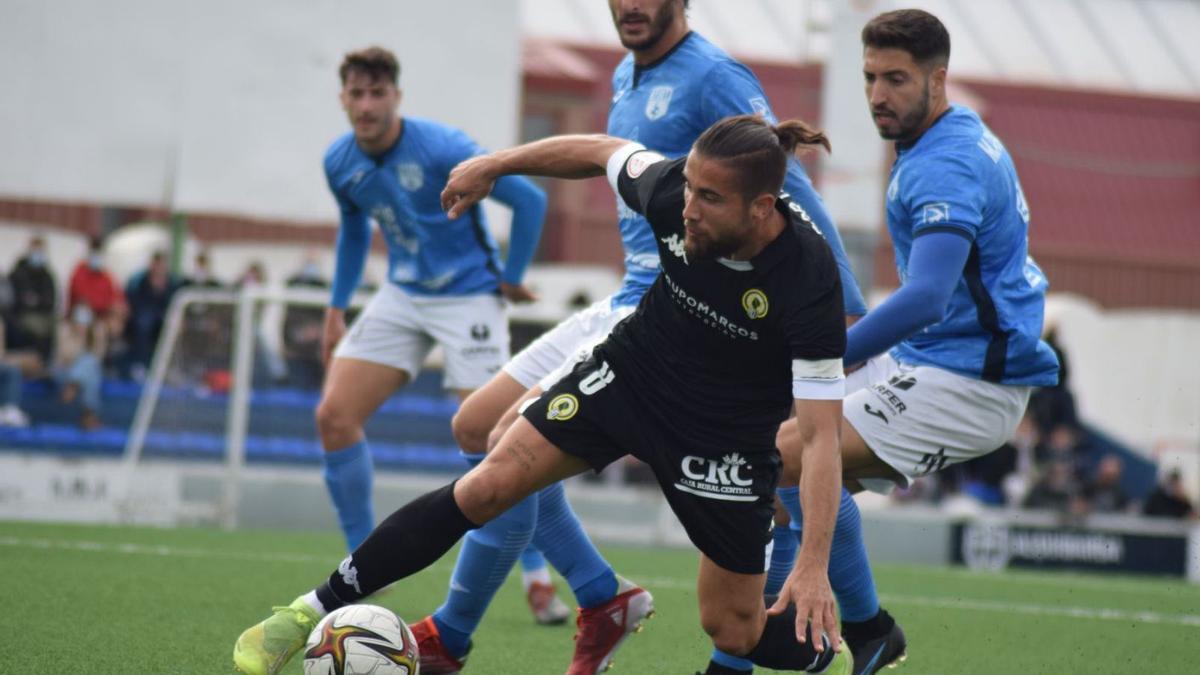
x=731 y=631
x=337 y=427
x=482 y=495
x=470 y=432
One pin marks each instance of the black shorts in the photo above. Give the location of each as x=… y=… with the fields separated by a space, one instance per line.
x=725 y=497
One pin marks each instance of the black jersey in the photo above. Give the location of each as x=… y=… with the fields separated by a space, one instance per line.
x=712 y=346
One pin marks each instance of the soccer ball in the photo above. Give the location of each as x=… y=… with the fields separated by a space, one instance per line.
x=361 y=640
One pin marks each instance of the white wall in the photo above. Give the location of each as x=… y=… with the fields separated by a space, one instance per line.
x=236 y=100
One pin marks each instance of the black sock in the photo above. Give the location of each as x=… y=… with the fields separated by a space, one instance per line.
x=877 y=626
x=715 y=668
x=406 y=542
x=778 y=648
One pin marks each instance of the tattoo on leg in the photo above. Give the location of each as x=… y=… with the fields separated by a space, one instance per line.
x=522 y=454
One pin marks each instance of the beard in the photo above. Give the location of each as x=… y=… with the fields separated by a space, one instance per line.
x=705 y=247
x=908 y=124
x=656 y=28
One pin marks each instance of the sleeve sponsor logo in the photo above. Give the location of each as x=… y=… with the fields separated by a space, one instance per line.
x=937 y=212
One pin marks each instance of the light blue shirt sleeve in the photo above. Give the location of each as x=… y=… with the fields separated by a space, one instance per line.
x=935 y=267
x=944 y=193
x=353 y=240
x=528 y=204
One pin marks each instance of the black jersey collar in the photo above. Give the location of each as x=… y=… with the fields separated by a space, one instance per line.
x=638 y=70
x=378 y=159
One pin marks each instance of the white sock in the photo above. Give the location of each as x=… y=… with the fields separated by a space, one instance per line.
x=541 y=575
x=310 y=599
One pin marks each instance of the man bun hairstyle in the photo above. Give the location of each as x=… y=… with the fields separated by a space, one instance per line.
x=757 y=150
x=376 y=62
x=917 y=32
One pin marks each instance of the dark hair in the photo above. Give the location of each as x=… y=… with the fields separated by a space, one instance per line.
x=376 y=62
x=757 y=150
x=919 y=33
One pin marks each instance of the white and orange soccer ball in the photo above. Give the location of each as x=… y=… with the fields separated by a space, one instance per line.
x=361 y=640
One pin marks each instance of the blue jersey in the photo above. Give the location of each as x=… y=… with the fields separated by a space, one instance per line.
x=665 y=106
x=958 y=178
x=400 y=190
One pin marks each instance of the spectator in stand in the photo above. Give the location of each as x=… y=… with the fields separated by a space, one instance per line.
x=1104 y=493
x=92 y=285
x=11 y=414
x=1054 y=407
x=82 y=344
x=34 y=296
x=1057 y=490
x=1169 y=499
x=303 y=328
x=202 y=275
x=149 y=295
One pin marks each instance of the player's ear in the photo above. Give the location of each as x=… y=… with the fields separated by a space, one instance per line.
x=937 y=81
x=761 y=207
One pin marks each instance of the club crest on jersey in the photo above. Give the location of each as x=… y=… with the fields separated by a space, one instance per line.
x=659 y=102
x=755 y=303
x=411 y=176
x=562 y=408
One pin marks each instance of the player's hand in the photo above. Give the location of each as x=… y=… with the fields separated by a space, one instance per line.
x=331 y=333
x=808 y=588
x=517 y=293
x=468 y=184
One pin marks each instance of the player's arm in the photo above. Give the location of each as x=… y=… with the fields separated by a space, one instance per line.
x=571 y=157
x=945 y=201
x=817 y=449
x=528 y=204
x=934 y=269
x=353 y=241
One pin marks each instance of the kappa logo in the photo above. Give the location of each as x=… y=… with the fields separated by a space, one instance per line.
x=675 y=244
x=562 y=408
x=659 y=102
x=411 y=176
x=938 y=212
x=754 y=301
x=480 y=332
x=349 y=574
x=714 y=479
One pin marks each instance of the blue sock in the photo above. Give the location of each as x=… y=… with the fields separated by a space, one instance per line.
x=783 y=557
x=732 y=662
x=487 y=556
x=849 y=570
x=349 y=473
x=561 y=538
x=532 y=559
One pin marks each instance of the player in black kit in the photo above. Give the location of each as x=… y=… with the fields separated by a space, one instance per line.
x=743 y=326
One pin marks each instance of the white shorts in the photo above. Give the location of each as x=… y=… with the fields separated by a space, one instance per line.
x=552 y=355
x=397 y=329
x=921 y=419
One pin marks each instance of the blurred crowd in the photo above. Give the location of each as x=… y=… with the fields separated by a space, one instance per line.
x=108 y=328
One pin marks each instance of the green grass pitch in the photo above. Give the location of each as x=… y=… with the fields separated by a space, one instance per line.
x=92 y=599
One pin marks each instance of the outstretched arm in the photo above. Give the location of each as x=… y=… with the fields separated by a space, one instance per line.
x=573 y=157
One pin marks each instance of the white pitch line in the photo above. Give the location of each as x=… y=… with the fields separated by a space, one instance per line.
x=655 y=583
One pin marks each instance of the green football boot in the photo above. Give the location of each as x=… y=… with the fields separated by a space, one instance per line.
x=264 y=648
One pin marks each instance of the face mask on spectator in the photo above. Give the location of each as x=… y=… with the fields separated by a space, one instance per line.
x=310 y=271
x=37 y=257
x=95 y=261
x=82 y=315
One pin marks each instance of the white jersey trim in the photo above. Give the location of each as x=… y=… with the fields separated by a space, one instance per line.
x=820 y=380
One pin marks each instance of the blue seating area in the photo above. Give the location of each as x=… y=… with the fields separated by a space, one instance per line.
x=411 y=430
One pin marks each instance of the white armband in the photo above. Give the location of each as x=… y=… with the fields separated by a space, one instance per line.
x=821 y=380
x=616 y=162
